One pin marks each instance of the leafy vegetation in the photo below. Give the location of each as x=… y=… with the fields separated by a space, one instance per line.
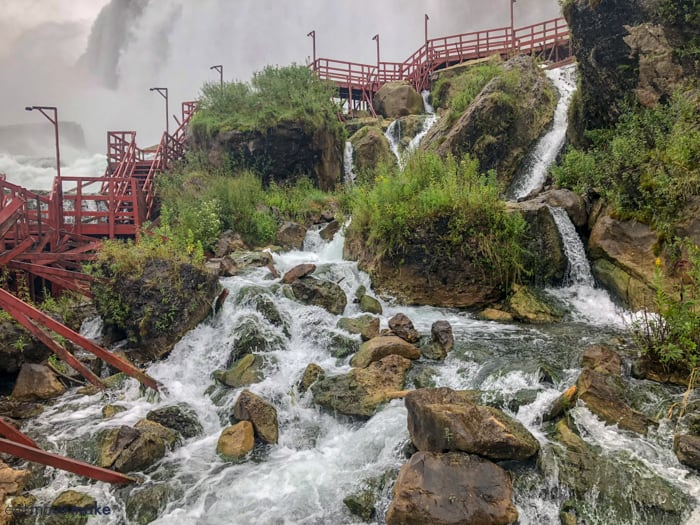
x=672 y=336
x=274 y=95
x=448 y=196
x=683 y=16
x=647 y=166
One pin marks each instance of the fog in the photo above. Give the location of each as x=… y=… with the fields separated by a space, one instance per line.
x=95 y=60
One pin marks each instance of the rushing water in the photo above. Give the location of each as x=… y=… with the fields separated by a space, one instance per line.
x=348 y=164
x=545 y=152
x=321 y=458
x=394 y=131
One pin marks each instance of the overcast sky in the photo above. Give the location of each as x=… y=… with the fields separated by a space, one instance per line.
x=174 y=42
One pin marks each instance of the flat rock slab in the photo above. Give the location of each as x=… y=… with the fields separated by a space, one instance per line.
x=451 y=489
x=380 y=347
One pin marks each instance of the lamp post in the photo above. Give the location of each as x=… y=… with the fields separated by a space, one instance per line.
x=426 y=30
x=163 y=92
x=220 y=69
x=312 y=34
x=512 y=26
x=376 y=37
x=54 y=120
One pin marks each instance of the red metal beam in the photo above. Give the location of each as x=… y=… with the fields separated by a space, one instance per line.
x=16 y=251
x=10 y=432
x=63 y=463
x=8 y=215
x=15 y=306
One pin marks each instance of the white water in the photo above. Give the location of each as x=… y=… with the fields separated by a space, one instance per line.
x=393 y=135
x=579 y=271
x=393 y=132
x=319 y=458
x=548 y=147
x=38 y=173
x=348 y=164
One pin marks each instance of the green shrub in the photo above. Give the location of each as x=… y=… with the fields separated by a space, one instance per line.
x=647 y=167
x=672 y=336
x=456 y=93
x=450 y=196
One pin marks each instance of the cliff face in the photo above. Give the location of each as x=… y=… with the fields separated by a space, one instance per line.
x=627 y=49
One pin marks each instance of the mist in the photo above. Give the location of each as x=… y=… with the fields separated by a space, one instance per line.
x=96 y=67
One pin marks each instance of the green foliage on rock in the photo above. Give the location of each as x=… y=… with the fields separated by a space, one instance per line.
x=647 y=166
x=453 y=194
x=275 y=94
x=457 y=92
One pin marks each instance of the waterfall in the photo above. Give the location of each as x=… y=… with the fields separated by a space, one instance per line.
x=348 y=167
x=579 y=271
x=548 y=147
x=393 y=135
x=393 y=132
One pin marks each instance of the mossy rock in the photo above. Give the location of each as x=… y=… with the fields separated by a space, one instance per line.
x=71 y=508
x=246 y=371
x=370 y=305
x=532 y=307
x=342 y=346
x=312 y=373
x=144 y=504
x=178 y=417
x=109 y=411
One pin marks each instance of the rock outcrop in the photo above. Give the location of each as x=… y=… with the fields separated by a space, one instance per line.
x=260 y=413
x=36 y=382
x=370 y=148
x=397 y=99
x=317 y=292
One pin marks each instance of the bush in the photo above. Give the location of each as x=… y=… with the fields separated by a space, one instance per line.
x=672 y=336
x=274 y=94
x=472 y=220
x=647 y=167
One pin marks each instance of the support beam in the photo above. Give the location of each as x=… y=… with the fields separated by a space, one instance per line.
x=11 y=433
x=63 y=463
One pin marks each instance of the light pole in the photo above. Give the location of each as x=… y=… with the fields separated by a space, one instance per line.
x=426 y=30
x=54 y=120
x=220 y=69
x=512 y=26
x=163 y=92
x=376 y=37
x=312 y=34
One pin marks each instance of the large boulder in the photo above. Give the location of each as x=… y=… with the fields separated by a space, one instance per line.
x=36 y=382
x=246 y=371
x=71 y=507
x=451 y=489
x=603 y=359
x=178 y=417
x=297 y=272
x=260 y=413
x=509 y=114
x=126 y=449
x=370 y=148
x=442 y=419
x=687 y=449
x=442 y=341
x=281 y=153
x=402 y=326
x=144 y=305
x=290 y=236
x=145 y=504
x=17 y=347
x=397 y=99
x=236 y=441
x=362 y=391
x=382 y=346
x=365 y=325
x=531 y=307
x=545 y=256
x=317 y=292
x=602 y=394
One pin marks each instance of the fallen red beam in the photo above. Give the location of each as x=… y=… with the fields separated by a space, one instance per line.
x=18 y=309
x=13 y=434
x=61 y=462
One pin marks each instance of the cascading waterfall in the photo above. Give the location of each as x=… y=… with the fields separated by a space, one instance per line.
x=548 y=147
x=579 y=271
x=320 y=458
x=393 y=132
x=393 y=135
x=348 y=164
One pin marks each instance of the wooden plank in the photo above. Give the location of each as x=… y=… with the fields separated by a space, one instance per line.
x=8 y=215
x=63 y=463
x=10 y=432
x=16 y=251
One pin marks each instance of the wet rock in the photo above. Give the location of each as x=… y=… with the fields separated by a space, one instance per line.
x=342 y=346
x=290 y=236
x=236 y=441
x=562 y=404
x=179 y=417
x=629 y=289
x=492 y=314
x=36 y=382
x=402 y=326
x=170 y=437
x=228 y=267
x=267 y=308
x=109 y=411
x=260 y=413
x=326 y=294
x=365 y=325
x=228 y=242
x=77 y=507
x=19 y=409
x=18 y=347
x=370 y=305
x=625 y=488
x=361 y=504
x=687 y=449
x=12 y=481
x=23 y=501
x=382 y=346
x=246 y=371
x=397 y=99
x=312 y=373
x=329 y=231
x=298 y=271
x=144 y=504
x=603 y=359
x=446 y=489
x=361 y=391
x=252 y=338
x=441 y=419
x=602 y=394
x=528 y=307
x=255 y=259
x=441 y=343
x=370 y=148
x=571 y=202
x=651 y=369
x=127 y=449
